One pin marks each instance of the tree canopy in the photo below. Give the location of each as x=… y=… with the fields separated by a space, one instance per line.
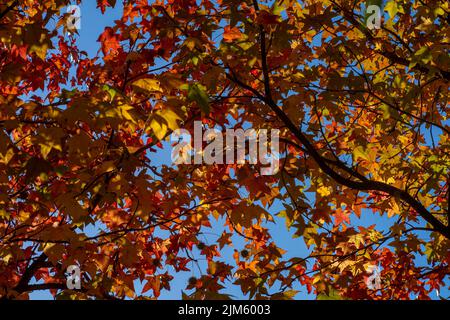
x=364 y=136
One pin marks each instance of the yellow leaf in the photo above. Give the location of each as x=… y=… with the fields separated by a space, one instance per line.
x=324 y=191
x=158 y=128
x=394 y=210
x=191 y=42
x=6 y=153
x=391 y=8
x=163 y=120
x=170 y=117
x=125 y=114
x=359 y=152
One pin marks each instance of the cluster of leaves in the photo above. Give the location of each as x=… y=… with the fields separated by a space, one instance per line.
x=364 y=123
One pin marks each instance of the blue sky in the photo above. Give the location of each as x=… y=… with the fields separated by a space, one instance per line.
x=92 y=25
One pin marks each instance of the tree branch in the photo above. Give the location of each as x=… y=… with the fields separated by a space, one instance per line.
x=29 y=273
x=42 y=286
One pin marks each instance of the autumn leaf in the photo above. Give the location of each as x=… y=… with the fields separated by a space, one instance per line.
x=109 y=41
x=231 y=33
x=87 y=179
x=162 y=121
x=147 y=85
x=197 y=93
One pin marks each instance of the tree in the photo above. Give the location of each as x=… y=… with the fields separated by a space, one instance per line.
x=364 y=121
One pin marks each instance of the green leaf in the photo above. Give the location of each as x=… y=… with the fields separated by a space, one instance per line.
x=197 y=93
x=111 y=91
x=423 y=56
